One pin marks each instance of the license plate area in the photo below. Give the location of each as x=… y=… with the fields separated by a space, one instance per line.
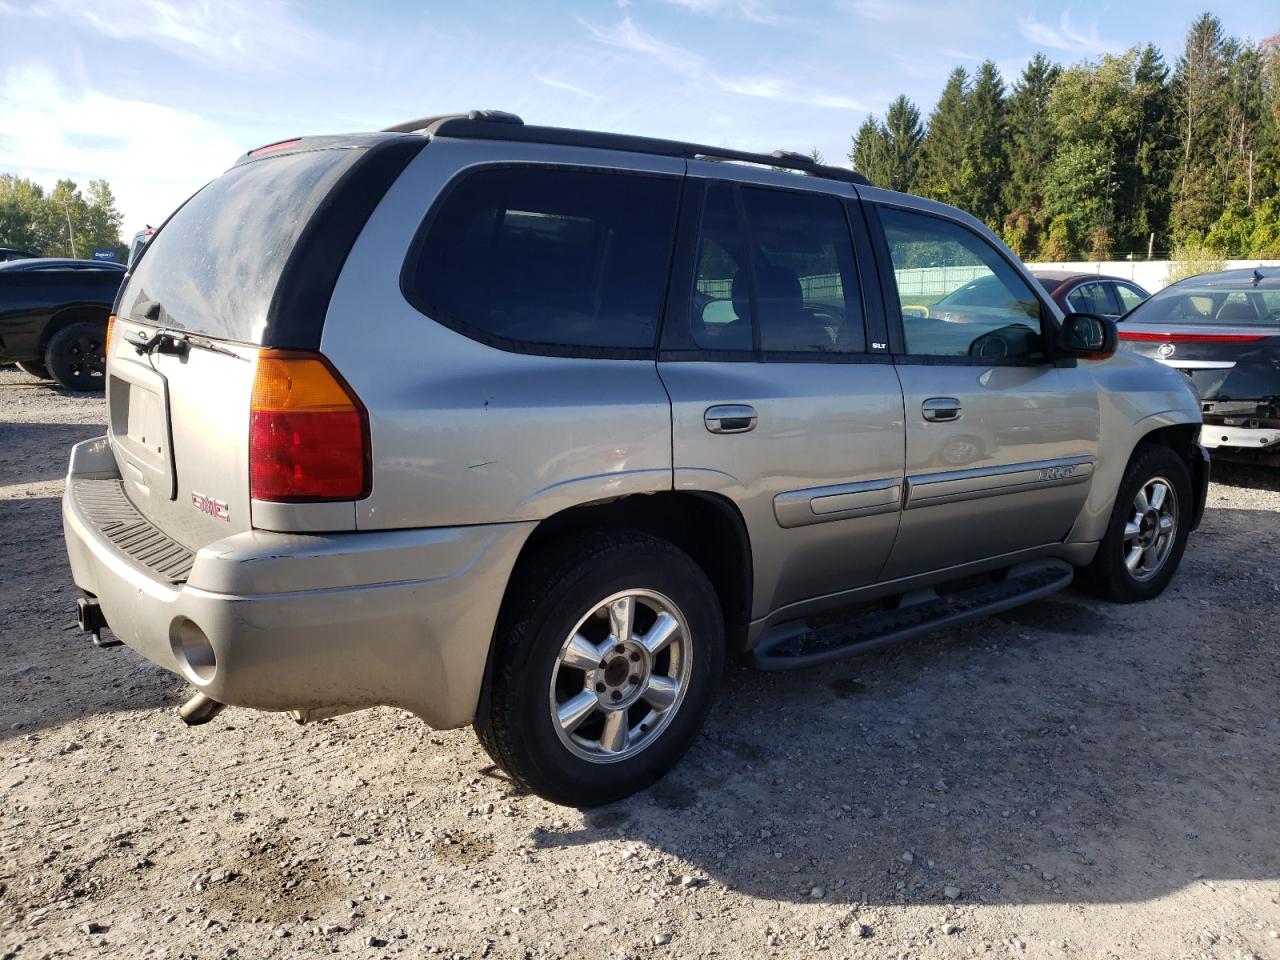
x=138 y=408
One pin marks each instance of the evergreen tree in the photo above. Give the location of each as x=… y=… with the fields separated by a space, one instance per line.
x=1200 y=96
x=870 y=152
x=945 y=174
x=1146 y=189
x=1032 y=142
x=905 y=137
x=986 y=145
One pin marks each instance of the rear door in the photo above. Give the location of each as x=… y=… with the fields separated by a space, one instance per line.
x=1000 y=442
x=783 y=396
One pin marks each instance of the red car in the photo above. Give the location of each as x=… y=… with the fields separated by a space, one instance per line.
x=1110 y=297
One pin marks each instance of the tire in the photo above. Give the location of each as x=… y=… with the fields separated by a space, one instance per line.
x=74 y=356
x=533 y=679
x=35 y=369
x=1112 y=575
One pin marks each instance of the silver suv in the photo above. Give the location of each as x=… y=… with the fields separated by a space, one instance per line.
x=527 y=428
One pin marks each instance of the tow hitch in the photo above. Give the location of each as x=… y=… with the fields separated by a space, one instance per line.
x=89 y=616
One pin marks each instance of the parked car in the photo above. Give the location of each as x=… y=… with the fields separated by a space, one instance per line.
x=13 y=253
x=528 y=428
x=53 y=318
x=1223 y=331
x=1110 y=297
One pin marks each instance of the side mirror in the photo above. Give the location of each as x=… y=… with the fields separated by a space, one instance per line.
x=1089 y=336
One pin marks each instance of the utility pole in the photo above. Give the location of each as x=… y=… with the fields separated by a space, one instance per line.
x=71 y=234
x=1151 y=243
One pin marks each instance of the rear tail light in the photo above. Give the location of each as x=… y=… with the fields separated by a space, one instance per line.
x=106 y=341
x=308 y=432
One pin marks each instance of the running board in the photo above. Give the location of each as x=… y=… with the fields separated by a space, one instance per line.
x=801 y=645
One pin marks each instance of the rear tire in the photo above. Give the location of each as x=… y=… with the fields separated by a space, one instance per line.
x=1148 y=530
x=74 y=356
x=35 y=369
x=580 y=708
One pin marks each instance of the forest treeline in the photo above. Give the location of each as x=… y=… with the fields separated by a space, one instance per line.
x=1103 y=159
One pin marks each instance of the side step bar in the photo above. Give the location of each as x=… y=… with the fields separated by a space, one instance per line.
x=800 y=645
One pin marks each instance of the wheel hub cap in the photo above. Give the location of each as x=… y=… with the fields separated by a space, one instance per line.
x=1151 y=530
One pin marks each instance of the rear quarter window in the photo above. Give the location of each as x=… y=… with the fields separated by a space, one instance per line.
x=548 y=260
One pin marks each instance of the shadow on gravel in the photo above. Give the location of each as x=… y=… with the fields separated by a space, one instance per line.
x=1069 y=751
x=1243 y=473
x=30 y=452
x=49 y=674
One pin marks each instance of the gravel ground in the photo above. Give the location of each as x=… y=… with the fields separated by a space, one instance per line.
x=1070 y=779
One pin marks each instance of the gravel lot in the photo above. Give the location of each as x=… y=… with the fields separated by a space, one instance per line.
x=1070 y=779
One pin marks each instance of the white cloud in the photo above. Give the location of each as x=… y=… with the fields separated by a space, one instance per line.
x=258 y=35
x=1066 y=36
x=753 y=11
x=154 y=156
x=556 y=84
x=627 y=35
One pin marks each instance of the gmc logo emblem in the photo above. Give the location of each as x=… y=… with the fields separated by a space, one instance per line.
x=217 y=509
x=1057 y=473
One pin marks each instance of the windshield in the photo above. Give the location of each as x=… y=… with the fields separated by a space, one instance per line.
x=1213 y=305
x=215 y=265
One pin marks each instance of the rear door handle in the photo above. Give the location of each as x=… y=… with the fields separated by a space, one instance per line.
x=940 y=409
x=730 y=418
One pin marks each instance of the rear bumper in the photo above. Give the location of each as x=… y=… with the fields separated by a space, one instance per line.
x=308 y=621
x=1245 y=438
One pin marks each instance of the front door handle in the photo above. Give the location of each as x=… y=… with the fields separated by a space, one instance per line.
x=940 y=409
x=730 y=418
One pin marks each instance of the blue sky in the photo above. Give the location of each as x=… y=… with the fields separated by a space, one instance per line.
x=159 y=96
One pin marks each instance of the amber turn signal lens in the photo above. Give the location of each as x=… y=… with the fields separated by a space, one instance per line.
x=106 y=343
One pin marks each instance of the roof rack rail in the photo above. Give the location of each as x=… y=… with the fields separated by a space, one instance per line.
x=500 y=125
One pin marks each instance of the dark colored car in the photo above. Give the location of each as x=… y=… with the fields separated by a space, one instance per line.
x=1110 y=297
x=1223 y=331
x=13 y=253
x=53 y=318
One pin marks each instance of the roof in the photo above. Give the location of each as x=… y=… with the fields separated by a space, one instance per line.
x=53 y=263
x=500 y=125
x=1063 y=276
x=1246 y=278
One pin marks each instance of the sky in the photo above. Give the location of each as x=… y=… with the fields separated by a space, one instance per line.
x=160 y=96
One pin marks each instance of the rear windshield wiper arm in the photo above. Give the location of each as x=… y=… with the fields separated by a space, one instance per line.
x=173 y=341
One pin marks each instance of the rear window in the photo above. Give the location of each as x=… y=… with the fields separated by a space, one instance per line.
x=215 y=265
x=550 y=258
x=1210 y=305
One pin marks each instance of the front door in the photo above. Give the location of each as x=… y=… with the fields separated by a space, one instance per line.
x=777 y=402
x=1000 y=442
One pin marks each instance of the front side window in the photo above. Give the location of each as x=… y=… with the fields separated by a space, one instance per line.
x=958 y=296
x=782 y=281
x=553 y=257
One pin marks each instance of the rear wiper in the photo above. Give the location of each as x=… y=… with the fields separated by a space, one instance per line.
x=174 y=342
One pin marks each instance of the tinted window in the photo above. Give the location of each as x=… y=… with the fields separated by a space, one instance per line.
x=799 y=276
x=216 y=264
x=1129 y=296
x=556 y=257
x=1092 y=298
x=959 y=296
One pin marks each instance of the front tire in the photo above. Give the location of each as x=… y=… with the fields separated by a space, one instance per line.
x=1148 y=530
x=604 y=669
x=74 y=356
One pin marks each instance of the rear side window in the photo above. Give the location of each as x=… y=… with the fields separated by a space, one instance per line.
x=215 y=265
x=1092 y=298
x=555 y=259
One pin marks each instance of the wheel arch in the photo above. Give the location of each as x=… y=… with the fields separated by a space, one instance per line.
x=76 y=313
x=1184 y=440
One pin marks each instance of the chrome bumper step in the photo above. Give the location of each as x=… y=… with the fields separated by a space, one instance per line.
x=802 y=645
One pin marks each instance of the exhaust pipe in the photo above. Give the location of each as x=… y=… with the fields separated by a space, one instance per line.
x=200 y=709
x=89 y=617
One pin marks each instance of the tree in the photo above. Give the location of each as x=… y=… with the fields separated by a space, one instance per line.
x=1200 y=99
x=816 y=156
x=870 y=152
x=1145 y=190
x=986 y=145
x=904 y=138
x=944 y=172
x=61 y=221
x=1032 y=142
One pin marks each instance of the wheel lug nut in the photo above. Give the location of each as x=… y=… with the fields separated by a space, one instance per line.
x=635 y=657
x=617 y=695
x=599 y=688
x=634 y=678
x=620 y=648
x=603 y=664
